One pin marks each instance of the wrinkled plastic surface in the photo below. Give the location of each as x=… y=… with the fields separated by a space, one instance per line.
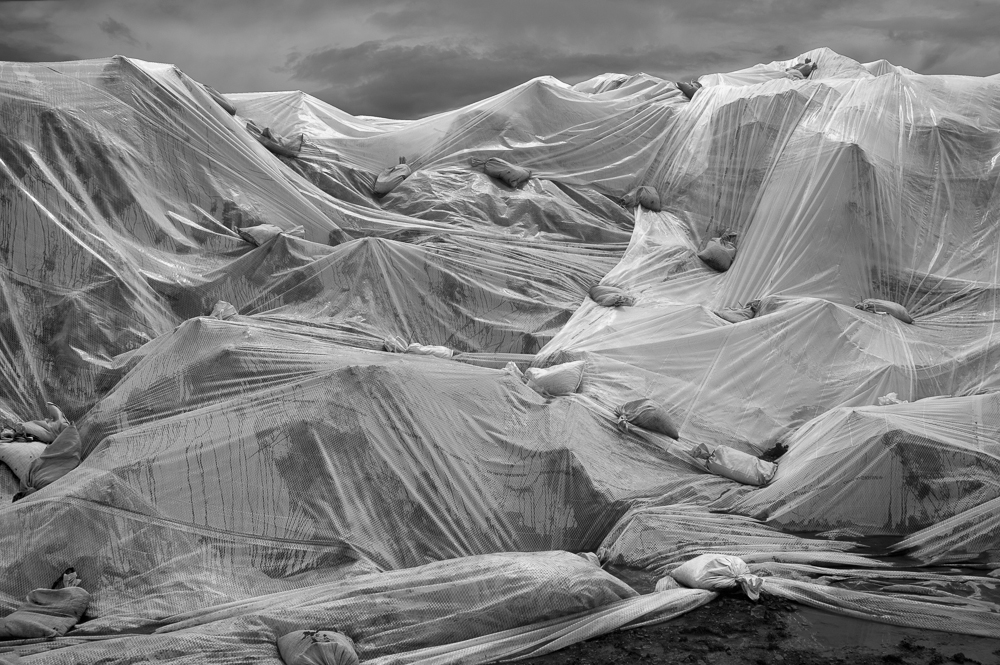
x=59 y=458
x=282 y=449
x=659 y=537
x=886 y=470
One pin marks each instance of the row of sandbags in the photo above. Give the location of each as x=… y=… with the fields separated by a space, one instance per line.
x=645 y=414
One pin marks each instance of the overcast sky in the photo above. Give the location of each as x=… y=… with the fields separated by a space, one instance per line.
x=409 y=58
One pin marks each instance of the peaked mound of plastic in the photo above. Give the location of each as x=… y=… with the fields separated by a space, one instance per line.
x=278 y=470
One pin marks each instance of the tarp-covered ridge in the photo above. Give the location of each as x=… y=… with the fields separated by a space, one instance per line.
x=279 y=382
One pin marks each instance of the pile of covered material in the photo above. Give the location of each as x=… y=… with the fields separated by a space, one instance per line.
x=319 y=405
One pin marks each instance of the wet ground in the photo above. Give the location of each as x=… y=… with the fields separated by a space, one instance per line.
x=734 y=630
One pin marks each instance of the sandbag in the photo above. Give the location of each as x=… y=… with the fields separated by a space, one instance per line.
x=591 y=557
x=428 y=350
x=688 y=88
x=610 y=296
x=223 y=311
x=740 y=466
x=644 y=196
x=46 y=430
x=876 y=306
x=275 y=144
x=260 y=234
x=801 y=70
x=564 y=379
x=740 y=314
x=220 y=99
x=60 y=457
x=646 y=414
x=394 y=345
x=387 y=180
x=47 y=613
x=720 y=252
x=317 y=647
x=718 y=571
x=666 y=584
x=18 y=455
x=510 y=174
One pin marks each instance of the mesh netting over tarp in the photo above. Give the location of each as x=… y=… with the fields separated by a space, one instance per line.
x=239 y=469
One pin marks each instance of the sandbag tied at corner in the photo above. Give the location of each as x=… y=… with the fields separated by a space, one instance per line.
x=720 y=252
x=556 y=381
x=802 y=70
x=317 y=647
x=442 y=352
x=45 y=430
x=262 y=233
x=644 y=196
x=510 y=174
x=276 y=144
x=610 y=296
x=718 y=571
x=46 y=613
x=389 y=178
x=648 y=415
x=736 y=465
x=893 y=309
x=740 y=314
x=688 y=88
x=220 y=99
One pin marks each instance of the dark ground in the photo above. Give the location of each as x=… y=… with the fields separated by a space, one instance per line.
x=733 y=630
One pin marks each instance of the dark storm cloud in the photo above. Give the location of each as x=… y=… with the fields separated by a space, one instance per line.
x=118 y=30
x=400 y=81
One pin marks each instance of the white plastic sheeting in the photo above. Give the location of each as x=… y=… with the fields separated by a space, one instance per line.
x=281 y=450
x=886 y=470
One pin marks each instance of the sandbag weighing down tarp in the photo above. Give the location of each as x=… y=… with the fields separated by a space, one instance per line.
x=644 y=196
x=510 y=174
x=893 y=309
x=46 y=613
x=389 y=179
x=720 y=252
x=718 y=571
x=736 y=465
x=555 y=381
x=646 y=414
x=610 y=296
x=317 y=647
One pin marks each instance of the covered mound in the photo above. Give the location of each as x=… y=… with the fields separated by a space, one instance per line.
x=292 y=463
x=886 y=470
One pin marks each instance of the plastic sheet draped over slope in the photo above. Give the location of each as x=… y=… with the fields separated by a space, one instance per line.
x=119 y=182
x=278 y=452
x=234 y=457
x=886 y=470
x=123 y=186
x=840 y=189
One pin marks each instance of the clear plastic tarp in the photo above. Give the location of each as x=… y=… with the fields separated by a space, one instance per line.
x=292 y=446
